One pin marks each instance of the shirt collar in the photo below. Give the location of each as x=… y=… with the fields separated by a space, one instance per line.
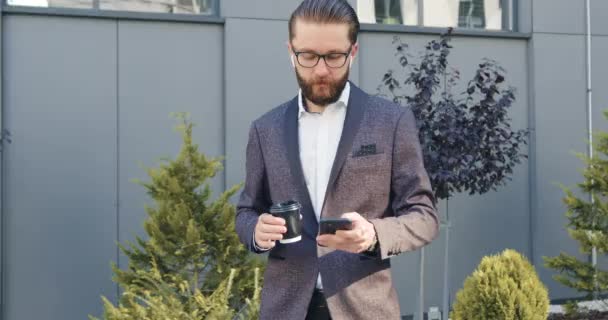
x=342 y=101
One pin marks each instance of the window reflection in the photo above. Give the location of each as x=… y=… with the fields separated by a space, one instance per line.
x=471 y=14
x=388 y=12
x=475 y=14
x=160 y=6
x=167 y=6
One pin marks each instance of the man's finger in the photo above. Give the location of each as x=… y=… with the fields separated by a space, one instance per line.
x=348 y=247
x=353 y=216
x=269 y=219
x=330 y=240
x=267 y=245
x=269 y=236
x=322 y=239
x=272 y=228
x=353 y=235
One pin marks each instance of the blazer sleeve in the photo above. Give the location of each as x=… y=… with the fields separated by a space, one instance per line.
x=253 y=200
x=415 y=222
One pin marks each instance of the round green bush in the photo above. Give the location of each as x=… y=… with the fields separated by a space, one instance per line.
x=503 y=287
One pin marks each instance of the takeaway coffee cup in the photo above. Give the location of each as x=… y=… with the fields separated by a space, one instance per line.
x=290 y=211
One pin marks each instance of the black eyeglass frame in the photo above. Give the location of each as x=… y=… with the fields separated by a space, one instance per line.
x=322 y=56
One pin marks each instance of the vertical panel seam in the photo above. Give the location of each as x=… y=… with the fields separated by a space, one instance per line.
x=2 y=175
x=533 y=201
x=224 y=129
x=117 y=186
x=532 y=183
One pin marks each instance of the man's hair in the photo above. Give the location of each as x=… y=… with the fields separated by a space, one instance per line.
x=326 y=11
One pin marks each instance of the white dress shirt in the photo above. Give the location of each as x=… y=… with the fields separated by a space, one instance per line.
x=318 y=137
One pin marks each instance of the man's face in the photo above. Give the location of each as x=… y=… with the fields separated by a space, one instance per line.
x=322 y=84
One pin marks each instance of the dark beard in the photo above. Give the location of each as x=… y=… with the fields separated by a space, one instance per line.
x=335 y=90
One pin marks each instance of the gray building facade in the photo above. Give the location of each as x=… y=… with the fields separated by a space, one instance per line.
x=86 y=97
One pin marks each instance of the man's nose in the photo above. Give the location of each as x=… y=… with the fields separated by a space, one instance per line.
x=321 y=68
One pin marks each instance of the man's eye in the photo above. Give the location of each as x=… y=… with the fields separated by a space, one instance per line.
x=308 y=56
x=335 y=56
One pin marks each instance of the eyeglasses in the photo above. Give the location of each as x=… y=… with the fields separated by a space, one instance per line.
x=311 y=59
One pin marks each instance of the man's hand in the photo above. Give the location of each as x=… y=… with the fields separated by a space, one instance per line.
x=356 y=240
x=268 y=230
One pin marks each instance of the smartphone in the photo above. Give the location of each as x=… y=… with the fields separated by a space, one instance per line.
x=331 y=225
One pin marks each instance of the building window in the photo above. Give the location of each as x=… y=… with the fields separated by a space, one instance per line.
x=388 y=12
x=204 y=7
x=472 y=14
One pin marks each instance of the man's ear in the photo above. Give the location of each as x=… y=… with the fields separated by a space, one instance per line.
x=353 y=53
x=290 y=51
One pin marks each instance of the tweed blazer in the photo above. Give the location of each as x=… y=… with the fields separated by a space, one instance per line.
x=378 y=172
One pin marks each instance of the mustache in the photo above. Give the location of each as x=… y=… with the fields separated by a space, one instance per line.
x=321 y=81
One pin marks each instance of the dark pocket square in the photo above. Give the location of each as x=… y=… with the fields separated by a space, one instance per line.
x=365 y=150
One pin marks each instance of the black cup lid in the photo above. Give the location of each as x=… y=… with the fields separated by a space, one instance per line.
x=285 y=206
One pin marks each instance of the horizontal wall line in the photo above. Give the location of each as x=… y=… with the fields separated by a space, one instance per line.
x=111 y=14
x=398 y=28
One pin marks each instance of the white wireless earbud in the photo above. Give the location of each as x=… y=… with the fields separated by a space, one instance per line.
x=293 y=64
x=350 y=64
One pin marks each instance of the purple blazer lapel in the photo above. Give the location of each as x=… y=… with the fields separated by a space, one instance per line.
x=354 y=114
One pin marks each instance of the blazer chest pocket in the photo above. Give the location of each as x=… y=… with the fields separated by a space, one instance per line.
x=367 y=160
